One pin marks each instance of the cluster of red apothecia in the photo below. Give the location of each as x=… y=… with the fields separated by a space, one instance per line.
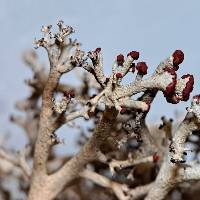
x=94 y=54
x=141 y=66
x=169 y=93
x=156 y=157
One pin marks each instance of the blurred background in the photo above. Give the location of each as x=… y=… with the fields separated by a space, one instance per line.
x=154 y=28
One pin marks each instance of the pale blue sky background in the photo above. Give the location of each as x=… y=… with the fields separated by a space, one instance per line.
x=155 y=28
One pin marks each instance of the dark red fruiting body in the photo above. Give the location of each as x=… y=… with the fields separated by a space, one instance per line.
x=171 y=87
x=142 y=68
x=119 y=75
x=66 y=94
x=176 y=67
x=134 y=54
x=120 y=60
x=123 y=111
x=188 y=88
x=98 y=50
x=178 y=57
x=156 y=157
